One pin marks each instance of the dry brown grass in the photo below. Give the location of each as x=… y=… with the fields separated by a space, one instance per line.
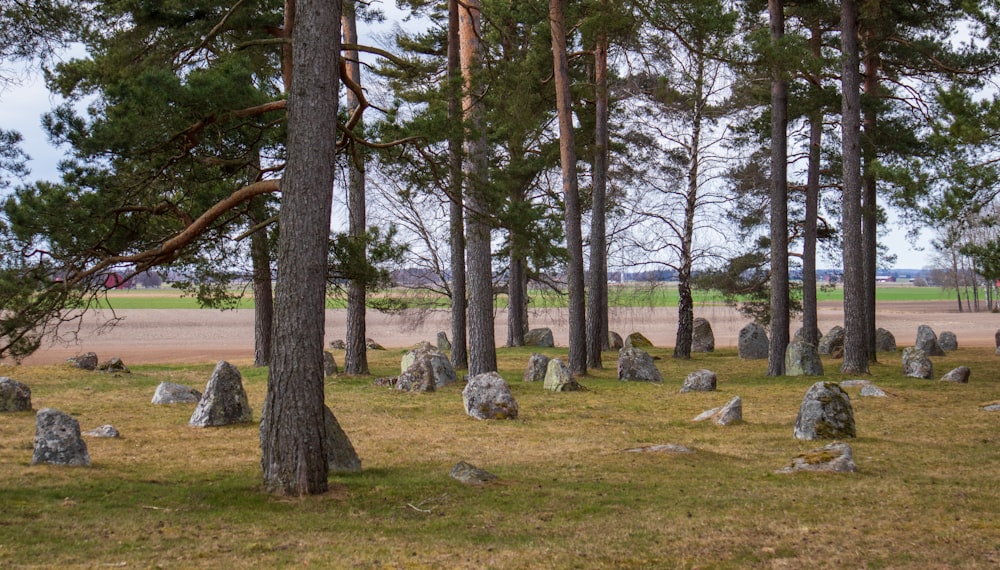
x=927 y=493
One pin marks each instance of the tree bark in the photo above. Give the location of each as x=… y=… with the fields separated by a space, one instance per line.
x=810 y=317
x=517 y=295
x=263 y=316
x=456 y=211
x=779 y=202
x=479 y=259
x=869 y=210
x=356 y=354
x=597 y=303
x=292 y=434
x=855 y=349
x=571 y=192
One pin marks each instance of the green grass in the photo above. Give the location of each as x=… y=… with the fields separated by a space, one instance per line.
x=167 y=495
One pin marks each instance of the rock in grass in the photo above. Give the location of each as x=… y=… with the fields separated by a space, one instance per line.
x=825 y=413
x=558 y=378
x=224 y=401
x=959 y=375
x=948 y=341
x=537 y=365
x=340 y=454
x=85 y=361
x=927 y=341
x=872 y=391
x=833 y=342
x=329 y=364
x=702 y=337
x=424 y=369
x=700 y=381
x=14 y=396
x=58 y=441
x=615 y=341
x=884 y=341
x=917 y=364
x=729 y=414
x=991 y=407
x=659 y=448
x=836 y=457
x=541 y=337
x=636 y=365
x=171 y=393
x=638 y=340
x=802 y=359
x=443 y=343
x=470 y=474
x=753 y=343
x=106 y=431
x=487 y=397
x=114 y=365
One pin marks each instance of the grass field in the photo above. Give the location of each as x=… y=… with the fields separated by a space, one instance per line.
x=926 y=494
x=659 y=295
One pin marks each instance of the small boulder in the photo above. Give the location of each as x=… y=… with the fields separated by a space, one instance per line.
x=329 y=364
x=700 y=381
x=338 y=344
x=927 y=341
x=487 y=397
x=85 y=361
x=638 y=340
x=636 y=365
x=224 y=401
x=443 y=343
x=114 y=366
x=948 y=341
x=107 y=431
x=729 y=414
x=370 y=344
x=753 y=343
x=991 y=407
x=884 y=341
x=959 y=375
x=558 y=377
x=470 y=474
x=802 y=359
x=57 y=440
x=539 y=337
x=702 y=337
x=800 y=334
x=825 y=413
x=340 y=454
x=615 y=341
x=835 y=457
x=916 y=363
x=832 y=342
x=14 y=396
x=170 y=393
x=425 y=369
x=872 y=391
x=537 y=366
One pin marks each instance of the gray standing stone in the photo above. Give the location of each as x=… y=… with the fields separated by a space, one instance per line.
x=753 y=343
x=700 y=381
x=802 y=359
x=14 y=396
x=833 y=342
x=85 y=361
x=884 y=341
x=959 y=375
x=57 y=440
x=340 y=454
x=329 y=364
x=836 y=457
x=702 y=337
x=636 y=365
x=825 y=413
x=470 y=474
x=800 y=335
x=170 y=393
x=443 y=343
x=106 y=431
x=424 y=369
x=948 y=341
x=537 y=365
x=729 y=414
x=558 y=377
x=927 y=341
x=638 y=340
x=224 y=401
x=615 y=341
x=487 y=397
x=916 y=363
x=539 y=337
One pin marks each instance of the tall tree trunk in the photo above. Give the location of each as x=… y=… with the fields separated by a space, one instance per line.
x=456 y=211
x=356 y=355
x=869 y=210
x=567 y=154
x=263 y=312
x=292 y=432
x=517 y=295
x=855 y=349
x=810 y=318
x=779 y=201
x=597 y=303
x=479 y=260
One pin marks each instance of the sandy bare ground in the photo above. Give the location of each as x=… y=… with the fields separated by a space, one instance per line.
x=152 y=336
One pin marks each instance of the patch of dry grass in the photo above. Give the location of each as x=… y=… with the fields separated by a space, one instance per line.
x=926 y=495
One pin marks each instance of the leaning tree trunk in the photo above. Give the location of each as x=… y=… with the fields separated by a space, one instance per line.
x=292 y=434
x=779 y=202
x=479 y=259
x=571 y=192
x=855 y=349
x=456 y=221
x=597 y=304
x=356 y=354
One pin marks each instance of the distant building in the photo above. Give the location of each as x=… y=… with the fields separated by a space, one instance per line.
x=885 y=278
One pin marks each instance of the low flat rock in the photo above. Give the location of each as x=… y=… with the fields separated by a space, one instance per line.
x=659 y=448
x=470 y=474
x=872 y=391
x=636 y=365
x=959 y=375
x=638 y=340
x=106 y=431
x=85 y=361
x=991 y=407
x=171 y=393
x=731 y=413
x=836 y=457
